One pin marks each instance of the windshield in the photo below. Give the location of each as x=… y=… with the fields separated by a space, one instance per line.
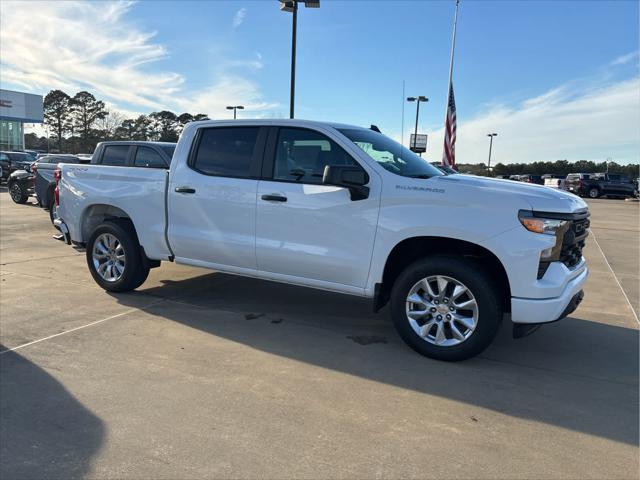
x=391 y=155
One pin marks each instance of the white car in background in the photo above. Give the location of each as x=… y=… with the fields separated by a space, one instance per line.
x=555 y=181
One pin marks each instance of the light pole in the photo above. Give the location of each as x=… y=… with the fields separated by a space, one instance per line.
x=418 y=99
x=234 y=108
x=292 y=6
x=490 y=135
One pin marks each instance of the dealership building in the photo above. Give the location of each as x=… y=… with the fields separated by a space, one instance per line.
x=16 y=109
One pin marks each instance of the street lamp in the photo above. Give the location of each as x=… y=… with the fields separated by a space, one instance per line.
x=234 y=108
x=490 y=135
x=292 y=6
x=418 y=99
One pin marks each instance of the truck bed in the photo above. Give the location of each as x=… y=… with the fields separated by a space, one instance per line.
x=138 y=192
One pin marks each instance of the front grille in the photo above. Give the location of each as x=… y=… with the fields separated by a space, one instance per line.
x=573 y=241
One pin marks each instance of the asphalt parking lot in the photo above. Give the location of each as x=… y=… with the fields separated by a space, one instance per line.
x=201 y=374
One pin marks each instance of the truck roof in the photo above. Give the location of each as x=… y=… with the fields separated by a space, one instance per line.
x=277 y=121
x=136 y=142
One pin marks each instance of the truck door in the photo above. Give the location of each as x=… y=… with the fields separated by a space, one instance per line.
x=212 y=198
x=308 y=230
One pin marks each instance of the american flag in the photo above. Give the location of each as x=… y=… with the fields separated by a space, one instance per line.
x=449 y=154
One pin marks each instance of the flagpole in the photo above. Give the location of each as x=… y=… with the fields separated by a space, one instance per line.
x=453 y=48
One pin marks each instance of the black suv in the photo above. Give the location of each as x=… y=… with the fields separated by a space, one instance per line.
x=596 y=185
x=12 y=161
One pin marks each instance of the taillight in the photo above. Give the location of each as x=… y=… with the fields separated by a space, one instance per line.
x=57 y=175
x=34 y=168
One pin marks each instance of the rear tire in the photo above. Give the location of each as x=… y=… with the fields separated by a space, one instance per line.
x=114 y=258
x=18 y=193
x=53 y=210
x=455 y=333
x=594 y=192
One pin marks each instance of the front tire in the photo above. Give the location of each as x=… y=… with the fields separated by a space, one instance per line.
x=18 y=193
x=446 y=308
x=114 y=258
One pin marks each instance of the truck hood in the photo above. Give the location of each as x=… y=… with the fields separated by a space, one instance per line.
x=541 y=198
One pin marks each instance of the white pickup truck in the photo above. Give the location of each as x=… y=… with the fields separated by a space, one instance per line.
x=339 y=208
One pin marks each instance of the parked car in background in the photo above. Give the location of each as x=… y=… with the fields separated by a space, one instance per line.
x=20 y=185
x=12 y=161
x=554 y=181
x=134 y=154
x=530 y=178
x=596 y=185
x=339 y=208
x=445 y=169
x=515 y=178
x=45 y=183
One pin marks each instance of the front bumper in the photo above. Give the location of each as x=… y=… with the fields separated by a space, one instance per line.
x=528 y=310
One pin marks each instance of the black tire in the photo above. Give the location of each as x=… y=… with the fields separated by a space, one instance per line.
x=478 y=282
x=18 y=193
x=594 y=192
x=135 y=272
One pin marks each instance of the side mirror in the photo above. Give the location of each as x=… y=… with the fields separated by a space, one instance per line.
x=347 y=176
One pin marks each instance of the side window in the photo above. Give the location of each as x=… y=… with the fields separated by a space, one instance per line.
x=301 y=156
x=115 y=155
x=614 y=177
x=147 y=157
x=226 y=152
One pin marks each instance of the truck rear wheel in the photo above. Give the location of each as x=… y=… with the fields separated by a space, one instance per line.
x=594 y=192
x=114 y=258
x=446 y=308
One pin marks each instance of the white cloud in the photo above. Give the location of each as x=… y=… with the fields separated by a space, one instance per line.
x=592 y=123
x=624 y=59
x=238 y=18
x=92 y=45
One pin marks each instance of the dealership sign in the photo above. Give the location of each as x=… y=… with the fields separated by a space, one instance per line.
x=20 y=107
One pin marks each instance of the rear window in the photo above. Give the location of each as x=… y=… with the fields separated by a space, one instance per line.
x=226 y=152
x=168 y=150
x=147 y=157
x=115 y=155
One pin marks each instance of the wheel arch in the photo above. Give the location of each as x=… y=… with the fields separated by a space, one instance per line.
x=411 y=249
x=96 y=214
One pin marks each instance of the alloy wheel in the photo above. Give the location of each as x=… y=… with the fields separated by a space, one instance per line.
x=16 y=192
x=442 y=310
x=108 y=257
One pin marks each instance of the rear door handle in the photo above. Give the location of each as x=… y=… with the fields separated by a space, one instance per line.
x=274 y=198
x=185 y=190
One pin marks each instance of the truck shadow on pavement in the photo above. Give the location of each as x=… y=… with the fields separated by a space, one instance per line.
x=44 y=431
x=575 y=374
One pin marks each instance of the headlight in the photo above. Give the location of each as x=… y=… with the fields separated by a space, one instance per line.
x=547 y=226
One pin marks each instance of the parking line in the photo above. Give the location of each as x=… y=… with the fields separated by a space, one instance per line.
x=81 y=327
x=614 y=275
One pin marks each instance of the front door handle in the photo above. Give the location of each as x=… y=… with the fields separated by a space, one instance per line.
x=185 y=190
x=274 y=198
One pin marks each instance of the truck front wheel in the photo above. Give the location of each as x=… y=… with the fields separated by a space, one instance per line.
x=446 y=308
x=114 y=258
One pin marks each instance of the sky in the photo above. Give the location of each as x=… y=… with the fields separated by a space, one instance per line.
x=554 y=79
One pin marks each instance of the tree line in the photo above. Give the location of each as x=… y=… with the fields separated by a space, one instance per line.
x=77 y=123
